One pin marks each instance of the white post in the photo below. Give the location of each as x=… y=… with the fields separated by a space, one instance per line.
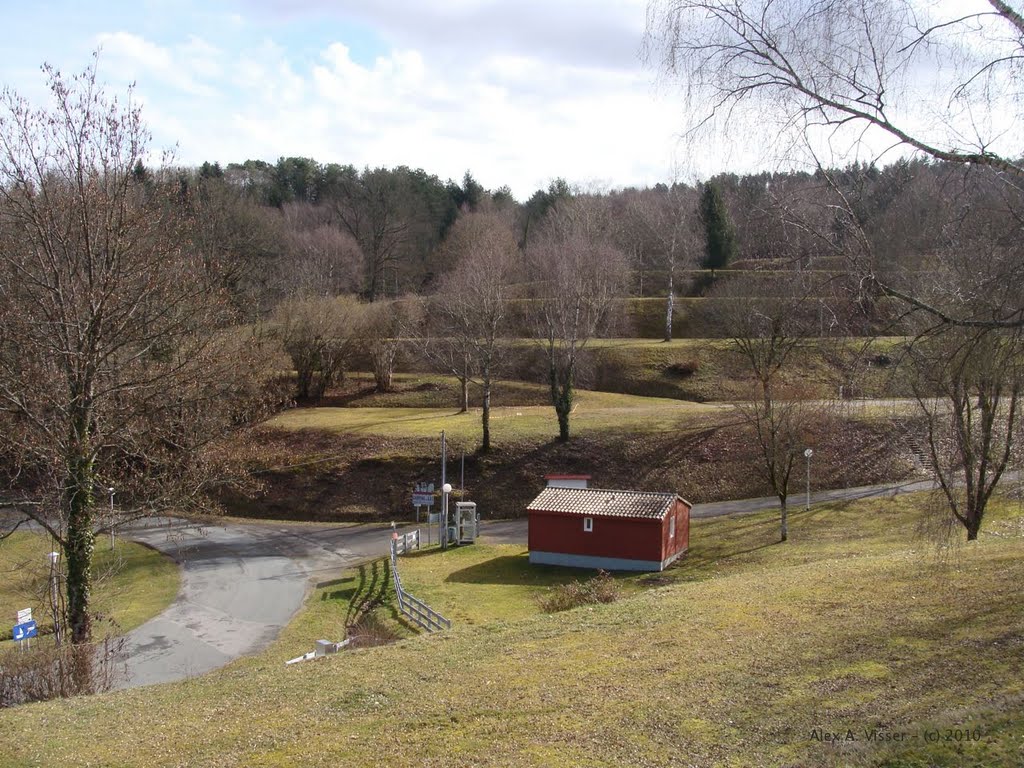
x=807 y=454
x=445 y=490
x=54 y=603
x=111 y=491
x=444 y=459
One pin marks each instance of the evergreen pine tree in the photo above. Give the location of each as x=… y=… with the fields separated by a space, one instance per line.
x=718 y=229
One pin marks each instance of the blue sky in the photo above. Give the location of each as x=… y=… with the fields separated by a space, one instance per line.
x=518 y=93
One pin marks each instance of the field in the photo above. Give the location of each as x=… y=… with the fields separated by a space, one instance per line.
x=747 y=653
x=698 y=369
x=132 y=583
x=356 y=456
x=593 y=412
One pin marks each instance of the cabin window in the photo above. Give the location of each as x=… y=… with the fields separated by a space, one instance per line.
x=672 y=527
x=588 y=524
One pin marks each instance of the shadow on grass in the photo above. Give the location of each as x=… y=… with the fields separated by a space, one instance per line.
x=332 y=583
x=516 y=570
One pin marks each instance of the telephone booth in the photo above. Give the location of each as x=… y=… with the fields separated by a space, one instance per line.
x=467 y=524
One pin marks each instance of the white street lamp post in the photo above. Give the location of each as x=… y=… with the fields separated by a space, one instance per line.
x=111 y=492
x=54 y=597
x=445 y=490
x=807 y=455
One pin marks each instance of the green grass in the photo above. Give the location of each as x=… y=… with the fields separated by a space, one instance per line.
x=594 y=412
x=733 y=660
x=819 y=367
x=483 y=584
x=132 y=583
x=431 y=390
x=872 y=367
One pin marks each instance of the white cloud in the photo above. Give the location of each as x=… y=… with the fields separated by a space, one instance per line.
x=517 y=96
x=183 y=68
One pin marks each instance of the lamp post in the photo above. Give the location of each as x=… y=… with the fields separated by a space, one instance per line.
x=54 y=597
x=445 y=490
x=807 y=455
x=111 y=492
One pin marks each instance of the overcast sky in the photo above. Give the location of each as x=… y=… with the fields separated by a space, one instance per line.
x=517 y=92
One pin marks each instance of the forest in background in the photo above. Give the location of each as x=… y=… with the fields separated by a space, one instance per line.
x=301 y=228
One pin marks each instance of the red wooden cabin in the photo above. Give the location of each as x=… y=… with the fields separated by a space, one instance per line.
x=613 y=530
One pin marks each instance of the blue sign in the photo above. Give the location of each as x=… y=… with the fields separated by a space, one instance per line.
x=25 y=631
x=423 y=499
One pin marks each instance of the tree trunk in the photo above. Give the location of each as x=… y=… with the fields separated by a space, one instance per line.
x=669 y=307
x=563 y=407
x=78 y=549
x=464 y=383
x=973 y=524
x=304 y=376
x=485 y=417
x=375 y=275
x=563 y=422
x=561 y=398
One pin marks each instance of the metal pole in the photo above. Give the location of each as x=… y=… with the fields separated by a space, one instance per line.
x=807 y=504
x=807 y=455
x=442 y=531
x=53 y=596
x=111 y=517
x=445 y=490
x=462 y=475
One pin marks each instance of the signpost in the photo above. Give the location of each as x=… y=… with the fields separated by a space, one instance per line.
x=24 y=631
x=24 y=615
x=422 y=496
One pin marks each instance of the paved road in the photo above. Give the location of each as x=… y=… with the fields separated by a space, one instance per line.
x=240 y=584
x=514 y=531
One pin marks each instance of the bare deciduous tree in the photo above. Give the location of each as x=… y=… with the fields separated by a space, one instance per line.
x=765 y=331
x=323 y=260
x=855 y=74
x=470 y=307
x=968 y=386
x=240 y=241
x=579 y=274
x=320 y=335
x=382 y=334
x=665 y=225
x=116 y=368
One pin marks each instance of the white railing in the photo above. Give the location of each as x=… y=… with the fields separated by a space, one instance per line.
x=413 y=609
x=406 y=542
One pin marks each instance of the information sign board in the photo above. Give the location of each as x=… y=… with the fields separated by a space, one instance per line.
x=24 y=631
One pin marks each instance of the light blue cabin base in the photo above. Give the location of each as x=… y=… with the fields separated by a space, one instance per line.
x=594 y=562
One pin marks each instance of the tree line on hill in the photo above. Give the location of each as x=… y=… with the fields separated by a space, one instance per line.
x=299 y=226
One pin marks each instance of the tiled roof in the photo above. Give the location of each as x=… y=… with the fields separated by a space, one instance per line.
x=597 y=502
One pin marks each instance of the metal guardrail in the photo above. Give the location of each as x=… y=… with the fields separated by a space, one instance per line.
x=412 y=608
x=406 y=542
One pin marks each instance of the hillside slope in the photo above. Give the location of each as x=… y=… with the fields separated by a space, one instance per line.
x=741 y=657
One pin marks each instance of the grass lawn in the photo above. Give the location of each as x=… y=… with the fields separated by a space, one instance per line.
x=132 y=583
x=739 y=656
x=594 y=412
